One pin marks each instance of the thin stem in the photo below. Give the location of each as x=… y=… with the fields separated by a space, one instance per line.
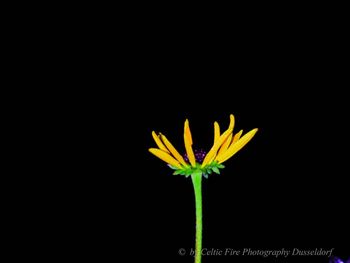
x=197 y=184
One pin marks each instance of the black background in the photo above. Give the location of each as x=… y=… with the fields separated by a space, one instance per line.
x=286 y=189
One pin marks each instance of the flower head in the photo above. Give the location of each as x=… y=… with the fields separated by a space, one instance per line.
x=224 y=147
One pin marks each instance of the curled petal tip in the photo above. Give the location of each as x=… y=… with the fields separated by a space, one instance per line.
x=216 y=131
x=232 y=121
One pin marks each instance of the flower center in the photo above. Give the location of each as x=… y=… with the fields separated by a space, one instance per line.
x=198 y=154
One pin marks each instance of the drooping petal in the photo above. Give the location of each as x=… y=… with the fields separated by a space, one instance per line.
x=172 y=150
x=235 y=147
x=216 y=132
x=212 y=153
x=165 y=157
x=159 y=142
x=188 y=144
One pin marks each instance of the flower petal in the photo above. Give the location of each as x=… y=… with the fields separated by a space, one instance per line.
x=237 y=136
x=188 y=144
x=235 y=147
x=172 y=150
x=216 y=132
x=211 y=154
x=232 y=122
x=234 y=140
x=213 y=151
x=187 y=131
x=165 y=157
x=159 y=142
x=225 y=145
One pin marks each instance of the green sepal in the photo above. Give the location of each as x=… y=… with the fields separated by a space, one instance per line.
x=178 y=172
x=173 y=167
x=205 y=171
x=216 y=170
x=188 y=172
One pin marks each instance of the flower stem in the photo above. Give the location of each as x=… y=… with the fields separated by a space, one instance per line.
x=197 y=185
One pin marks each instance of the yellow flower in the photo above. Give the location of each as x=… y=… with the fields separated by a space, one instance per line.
x=224 y=147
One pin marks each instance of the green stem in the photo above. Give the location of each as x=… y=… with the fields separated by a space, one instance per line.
x=197 y=184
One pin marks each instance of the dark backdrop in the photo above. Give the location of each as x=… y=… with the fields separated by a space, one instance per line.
x=286 y=189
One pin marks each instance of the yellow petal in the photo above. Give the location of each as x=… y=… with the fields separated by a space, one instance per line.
x=211 y=154
x=165 y=157
x=216 y=132
x=225 y=145
x=213 y=151
x=235 y=147
x=237 y=136
x=159 y=142
x=188 y=132
x=235 y=139
x=172 y=150
x=232 y=122
x=188 y=144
